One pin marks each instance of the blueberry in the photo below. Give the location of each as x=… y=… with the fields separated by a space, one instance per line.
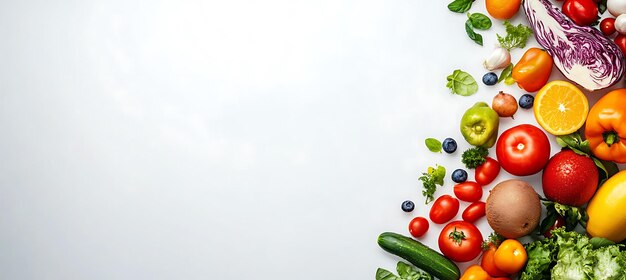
x=526 y=101
x=490 y=79
x=459 y=176
x=408 y=206
x=449 y=145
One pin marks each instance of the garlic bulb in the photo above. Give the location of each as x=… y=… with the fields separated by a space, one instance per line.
x=499 y=58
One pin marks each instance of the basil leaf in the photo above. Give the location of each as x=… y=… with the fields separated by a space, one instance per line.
x=462 y=83
x=460 y=6
x=433 y=145
x=479 y=21
x=598 y=242
x=506 y=73
x=477 y=38
x=382 y=274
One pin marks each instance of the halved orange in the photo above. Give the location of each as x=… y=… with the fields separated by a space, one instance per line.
x=560 y=108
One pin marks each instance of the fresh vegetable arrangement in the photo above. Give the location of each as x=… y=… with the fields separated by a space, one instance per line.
x=573 y=222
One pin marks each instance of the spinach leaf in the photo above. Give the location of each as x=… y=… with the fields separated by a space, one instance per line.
x=462 y=83
x=460 y=6
x=433 y=145
x=477 y=38
x=479 y=21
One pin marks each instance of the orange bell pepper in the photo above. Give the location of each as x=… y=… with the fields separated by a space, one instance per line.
x=533 y=70
x=606 y=127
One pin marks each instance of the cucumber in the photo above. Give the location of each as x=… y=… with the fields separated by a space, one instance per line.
x=419 y=255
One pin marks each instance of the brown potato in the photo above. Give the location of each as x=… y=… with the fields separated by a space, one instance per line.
x=513 y=208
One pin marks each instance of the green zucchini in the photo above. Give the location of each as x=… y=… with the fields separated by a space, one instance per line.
x=419 y=255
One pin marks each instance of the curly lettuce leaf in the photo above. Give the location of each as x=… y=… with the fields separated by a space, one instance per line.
x=574 y=259
x=540 y=256
x=610 y=263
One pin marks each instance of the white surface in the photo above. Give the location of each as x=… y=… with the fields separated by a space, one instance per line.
x=223 y=139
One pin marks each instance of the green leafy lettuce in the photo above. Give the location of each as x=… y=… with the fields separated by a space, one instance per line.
x=571 y=255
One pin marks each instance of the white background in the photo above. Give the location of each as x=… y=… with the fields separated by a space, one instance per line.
x=224 y=139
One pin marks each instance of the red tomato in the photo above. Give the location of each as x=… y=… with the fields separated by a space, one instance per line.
x=620 y=41
x=487 y=172
x=460 y=241
x=468 y=191
x=474 y=211
x=582 y=12
x=607 y=26
x=488 y=263
x=523 y=150
x=560 y=222
x=418 y=226
x=444 y=209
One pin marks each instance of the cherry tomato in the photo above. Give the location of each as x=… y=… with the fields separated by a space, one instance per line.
x=444 y=209
x=475 y=272
x=488 y=264
x=511 y=256
x=418 y=226
x=487 y=172
x=582 y=12
x=620 y=41
x=460 y=241
x=523 y=150
x=607 y=26
x=468 y=191
x=474 y=211
x=559 y=222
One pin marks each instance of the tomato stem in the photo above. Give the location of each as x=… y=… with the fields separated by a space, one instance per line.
x=457 y=236
x=610 y=137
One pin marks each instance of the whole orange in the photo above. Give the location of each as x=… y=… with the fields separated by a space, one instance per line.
x=503 y=9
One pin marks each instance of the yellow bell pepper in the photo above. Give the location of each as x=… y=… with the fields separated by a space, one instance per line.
x=607 y=209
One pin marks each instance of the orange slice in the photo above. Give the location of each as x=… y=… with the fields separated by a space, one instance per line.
x=560 y=108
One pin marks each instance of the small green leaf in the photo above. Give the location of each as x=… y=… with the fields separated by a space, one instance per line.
x=477 y=38
x=461 y=83
x=460 y=6
x=479 y=21
x=598 y=242
x=433 y=145
x=509 y=81
x=602 y=6
x=560 y=141
x=506 y=73
x=439 y=174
